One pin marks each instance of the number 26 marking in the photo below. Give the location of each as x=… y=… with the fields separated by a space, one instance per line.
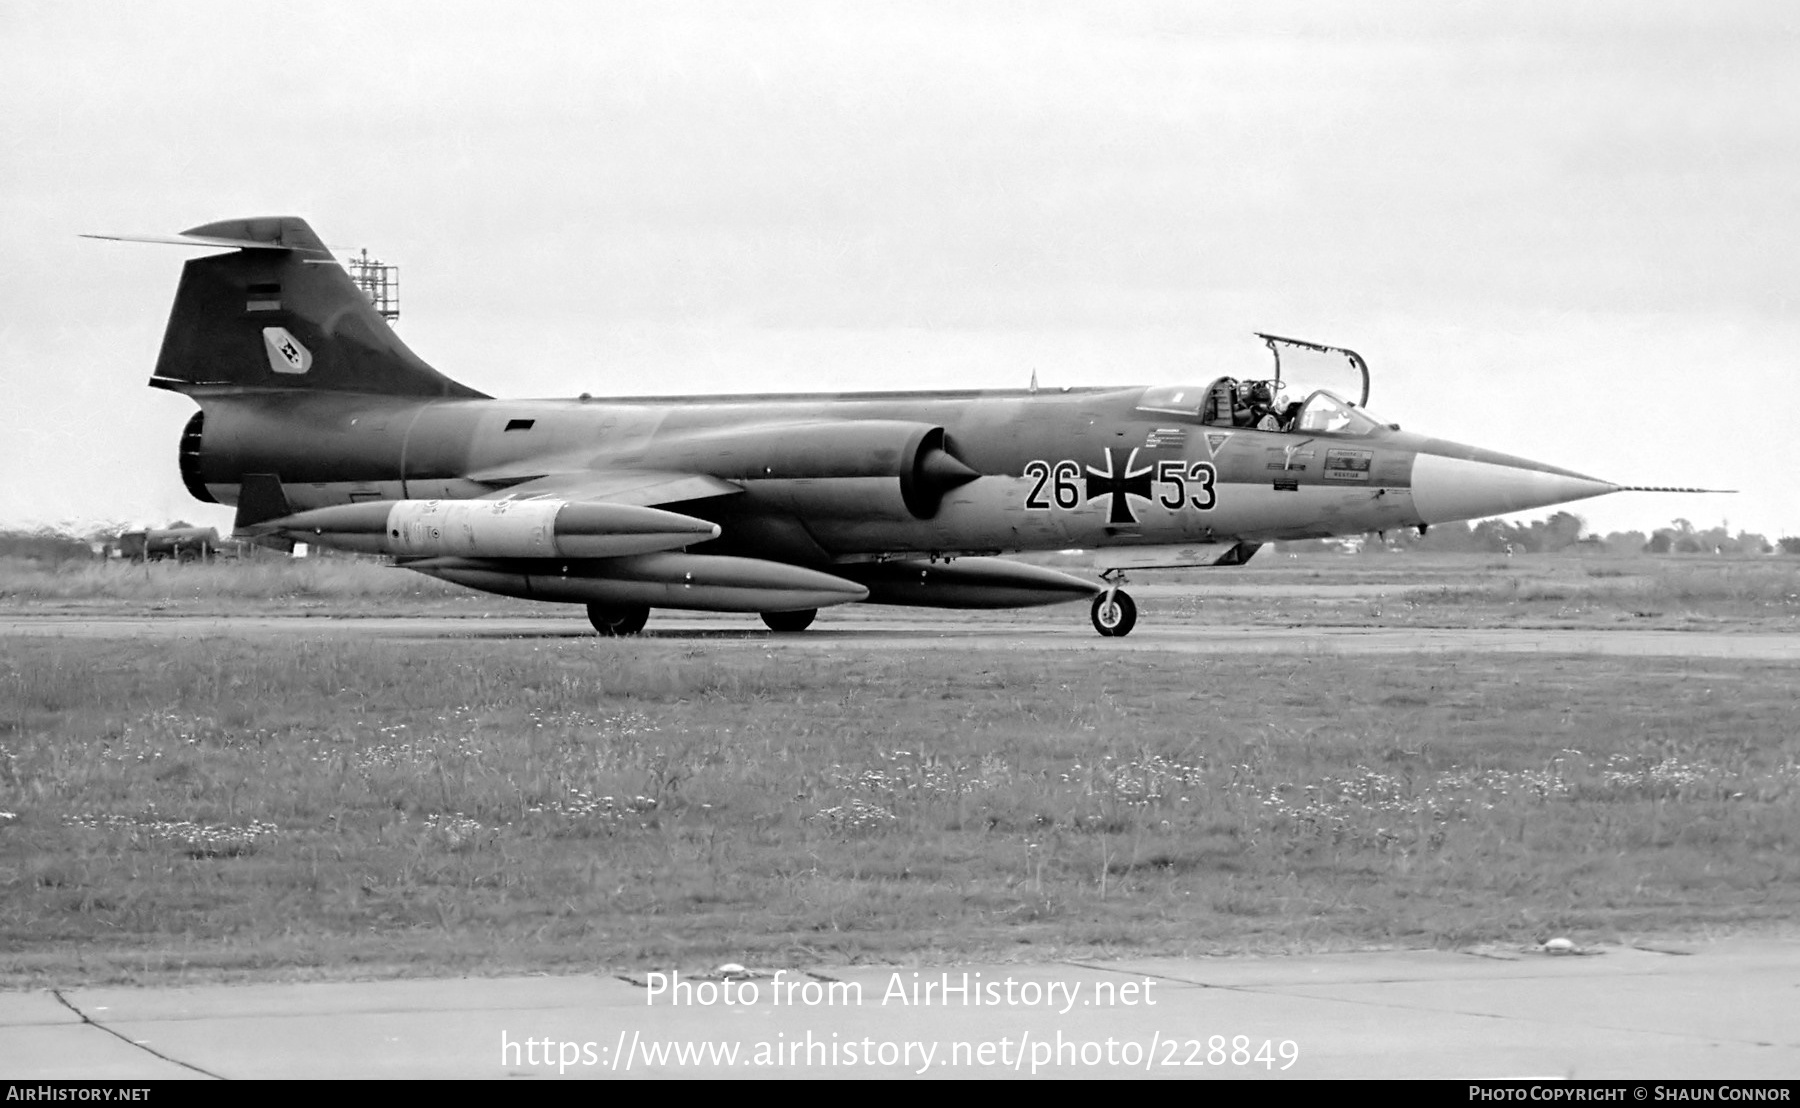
x=1061 y=478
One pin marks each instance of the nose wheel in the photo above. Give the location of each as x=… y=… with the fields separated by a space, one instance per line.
x=1115 y=614
x=613 y=621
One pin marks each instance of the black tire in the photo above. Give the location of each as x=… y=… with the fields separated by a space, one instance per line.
x=1114 y=620
x=613 y=621
x=789 y=622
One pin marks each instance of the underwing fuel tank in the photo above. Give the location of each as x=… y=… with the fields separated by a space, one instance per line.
x=495 y=528
x=967 y=583
x=697 y=582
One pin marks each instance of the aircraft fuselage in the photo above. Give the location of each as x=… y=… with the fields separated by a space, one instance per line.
x=1081 y=468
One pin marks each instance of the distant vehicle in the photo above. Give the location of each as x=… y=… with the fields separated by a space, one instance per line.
x=322 y=426
x=184 y=544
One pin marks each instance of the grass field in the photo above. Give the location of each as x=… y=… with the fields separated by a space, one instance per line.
x=1443 y=590
x=225 y=581
x=256 y=807
x=1463 y=590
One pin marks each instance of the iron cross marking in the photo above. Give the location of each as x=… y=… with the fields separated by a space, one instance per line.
x=1128 y=481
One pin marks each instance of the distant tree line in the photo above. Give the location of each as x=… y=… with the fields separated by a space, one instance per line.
x=1566 y=531
x=48 y=547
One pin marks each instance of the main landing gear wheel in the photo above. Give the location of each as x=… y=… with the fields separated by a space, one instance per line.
x=790 y=621
x=1114 y=614
x=611 y=621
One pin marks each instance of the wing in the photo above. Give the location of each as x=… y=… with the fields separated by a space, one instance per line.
x=641 y=487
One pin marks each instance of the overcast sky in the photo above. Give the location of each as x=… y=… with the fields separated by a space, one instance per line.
x=1565 y=231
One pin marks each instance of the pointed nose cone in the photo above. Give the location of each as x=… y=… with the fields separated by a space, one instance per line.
x=1478 y=483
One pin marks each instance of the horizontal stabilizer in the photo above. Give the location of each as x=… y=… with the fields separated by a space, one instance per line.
x=273 y=232
x=210 y=241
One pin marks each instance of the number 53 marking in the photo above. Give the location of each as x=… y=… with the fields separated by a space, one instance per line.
x=1169 y=475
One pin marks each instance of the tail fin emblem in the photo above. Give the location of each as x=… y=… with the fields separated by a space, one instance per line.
x=286 y=355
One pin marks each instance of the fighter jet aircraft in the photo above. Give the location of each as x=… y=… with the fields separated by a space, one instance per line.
x=320 y=425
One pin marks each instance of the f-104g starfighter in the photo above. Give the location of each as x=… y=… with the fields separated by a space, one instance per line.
x=320 y=425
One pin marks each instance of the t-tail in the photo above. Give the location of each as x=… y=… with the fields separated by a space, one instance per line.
x=278 y=314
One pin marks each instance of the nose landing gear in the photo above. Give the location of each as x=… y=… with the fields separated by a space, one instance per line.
x=1114 y=614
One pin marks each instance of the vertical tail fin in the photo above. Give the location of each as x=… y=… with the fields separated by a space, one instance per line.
x=279 y=313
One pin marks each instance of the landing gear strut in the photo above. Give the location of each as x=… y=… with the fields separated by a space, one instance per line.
x=1114 y=612
x=612 y=621
x=790 y=621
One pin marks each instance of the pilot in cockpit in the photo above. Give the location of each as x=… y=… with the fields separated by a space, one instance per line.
x=1261 y=409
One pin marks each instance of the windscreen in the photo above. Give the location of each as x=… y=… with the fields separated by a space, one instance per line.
x=1325 y=413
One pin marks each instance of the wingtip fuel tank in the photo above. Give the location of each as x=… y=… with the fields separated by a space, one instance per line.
x=539 y=528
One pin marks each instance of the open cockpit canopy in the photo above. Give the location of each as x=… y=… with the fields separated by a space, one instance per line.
x=1265 y=404
x=1305 y=372
x=1228 y=402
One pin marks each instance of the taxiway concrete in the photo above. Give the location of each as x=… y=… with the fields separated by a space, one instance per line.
x=1674 y=1012
x=949 y=633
